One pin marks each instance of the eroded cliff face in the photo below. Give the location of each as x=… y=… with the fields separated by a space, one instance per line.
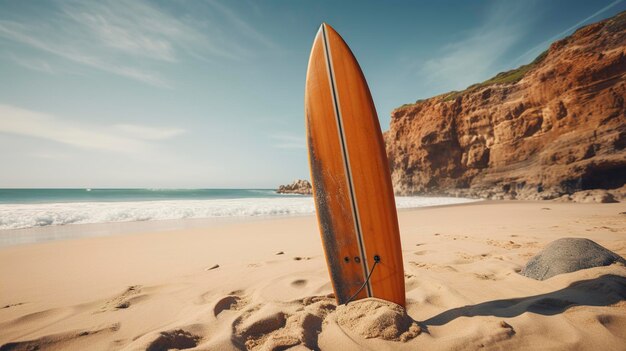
x=559 y=129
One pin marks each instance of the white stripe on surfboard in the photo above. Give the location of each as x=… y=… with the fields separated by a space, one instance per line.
x=346 y=159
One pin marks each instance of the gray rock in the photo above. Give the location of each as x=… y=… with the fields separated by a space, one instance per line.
x=569 y=255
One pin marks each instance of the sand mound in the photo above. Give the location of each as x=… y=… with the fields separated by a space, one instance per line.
x=374 y=318
x=278 y=326
x=569 y=255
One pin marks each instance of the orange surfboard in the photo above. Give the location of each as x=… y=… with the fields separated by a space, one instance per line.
x=352 y=187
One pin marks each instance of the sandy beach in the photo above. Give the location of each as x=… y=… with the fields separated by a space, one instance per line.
x=264 y=285
x=225 y=175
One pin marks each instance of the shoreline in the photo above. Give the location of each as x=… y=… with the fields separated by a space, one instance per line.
x=127 y=291
x=70 y=231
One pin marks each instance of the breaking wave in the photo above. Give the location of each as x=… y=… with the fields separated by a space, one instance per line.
x=17 y=216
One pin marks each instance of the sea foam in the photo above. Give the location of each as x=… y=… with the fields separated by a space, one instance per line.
x=17 y=216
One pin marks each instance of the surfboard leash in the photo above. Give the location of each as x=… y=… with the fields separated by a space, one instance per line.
x=376 y=261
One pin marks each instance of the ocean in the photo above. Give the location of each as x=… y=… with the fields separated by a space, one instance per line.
x=30 y=208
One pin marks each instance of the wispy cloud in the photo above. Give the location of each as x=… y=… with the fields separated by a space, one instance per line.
x=19 y=121
x=534 y=51
x=133 y=39
x=474 y=57
x=124 y=30
x=149 y=133
x=33 y=64
x=286 y=141
x=74 y=52
x=242 y=26
x=142 y=29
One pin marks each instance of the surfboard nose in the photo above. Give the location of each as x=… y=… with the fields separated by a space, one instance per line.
x=327 y=27
x=320 y=30
x=324 y=27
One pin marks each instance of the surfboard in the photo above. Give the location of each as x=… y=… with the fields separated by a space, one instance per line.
x=352 y=186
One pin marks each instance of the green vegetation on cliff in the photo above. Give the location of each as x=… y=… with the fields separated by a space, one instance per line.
x=508 y=77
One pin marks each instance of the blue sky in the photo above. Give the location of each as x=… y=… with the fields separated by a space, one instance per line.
x=182 y=94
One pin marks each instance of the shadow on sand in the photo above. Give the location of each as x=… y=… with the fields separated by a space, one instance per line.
x=602 y=291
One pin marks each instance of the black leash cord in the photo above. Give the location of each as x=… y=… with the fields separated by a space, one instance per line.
x=376 y=260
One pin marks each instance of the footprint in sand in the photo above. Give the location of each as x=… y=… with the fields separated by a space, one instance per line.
x=280 y=326
x=124 y=300
x=252 y=327
x=174 y=339
x=230 y=302
x=494 y=336
x=234 y=300
x=421 y=253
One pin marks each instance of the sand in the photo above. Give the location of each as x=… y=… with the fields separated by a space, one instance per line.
x=264 y=285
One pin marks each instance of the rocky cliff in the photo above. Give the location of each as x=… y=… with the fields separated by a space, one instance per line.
x=552 y=127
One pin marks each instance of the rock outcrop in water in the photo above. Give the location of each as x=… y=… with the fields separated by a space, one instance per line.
x=549 y=128
x=299 y=186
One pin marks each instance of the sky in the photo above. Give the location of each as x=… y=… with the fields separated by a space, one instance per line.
x=209 y=94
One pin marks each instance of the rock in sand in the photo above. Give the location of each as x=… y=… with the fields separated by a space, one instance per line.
x=567 y=255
